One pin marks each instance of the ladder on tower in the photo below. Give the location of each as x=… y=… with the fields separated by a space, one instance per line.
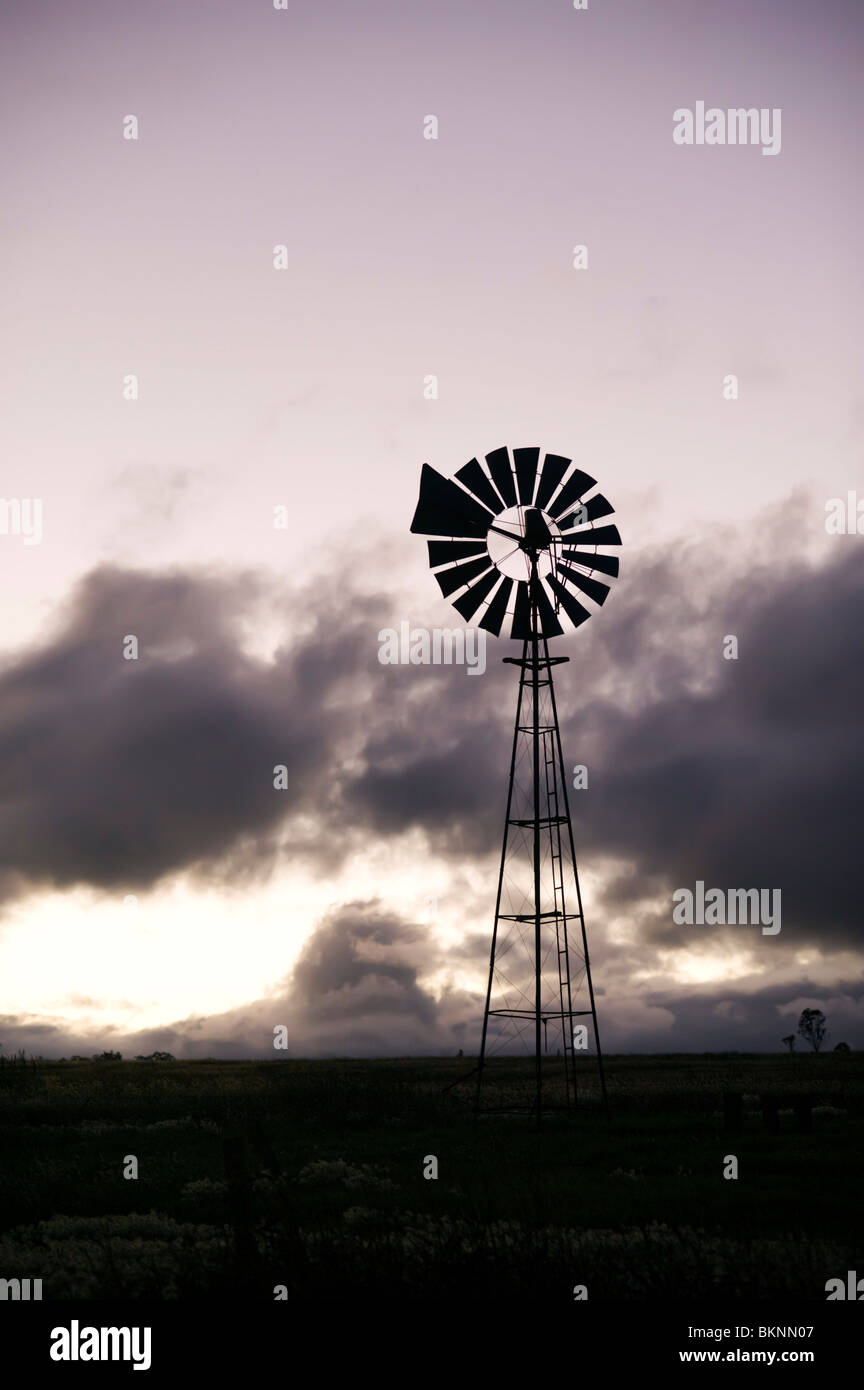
x=560 y=908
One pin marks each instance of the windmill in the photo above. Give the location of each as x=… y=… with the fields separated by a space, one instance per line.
x=516 y=542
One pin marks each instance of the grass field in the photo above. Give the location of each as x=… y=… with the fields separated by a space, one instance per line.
x=309 y=1175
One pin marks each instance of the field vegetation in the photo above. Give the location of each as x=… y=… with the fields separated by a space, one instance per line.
x=308 y=1177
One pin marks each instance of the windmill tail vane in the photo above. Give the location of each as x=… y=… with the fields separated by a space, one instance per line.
x=516 y=548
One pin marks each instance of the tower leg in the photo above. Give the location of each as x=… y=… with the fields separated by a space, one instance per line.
x=538 y=900
x=482 y=1058
x=557 y=735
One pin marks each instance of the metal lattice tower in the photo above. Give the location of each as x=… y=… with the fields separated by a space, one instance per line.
x=520 y=539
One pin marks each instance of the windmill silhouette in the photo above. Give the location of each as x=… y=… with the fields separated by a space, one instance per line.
x=517 y=542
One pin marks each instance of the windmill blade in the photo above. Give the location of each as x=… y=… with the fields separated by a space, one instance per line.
x=606 y=564
x=592 y=587
x=552 y=470
x=497 y=610
x=444 y=509
x=445 y=552
x=502 y=475
x=470 y=601
x=471 y=475
x=451 y=580
x=521 y=625
x=547 y=621
x=591 y=510
x=526 y=473
x=575 y=487
x=575 y=611
x=601 y=535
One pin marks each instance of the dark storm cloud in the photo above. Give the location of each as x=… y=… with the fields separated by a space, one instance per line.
x=719 y=1018
x=442 y=771
x=116 y=771
x=742 y=773
x=350 y=968
x=757 y=780
x=356 y=988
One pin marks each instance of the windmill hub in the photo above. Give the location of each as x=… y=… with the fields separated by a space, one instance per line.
x=514 y=536
x=537 y=534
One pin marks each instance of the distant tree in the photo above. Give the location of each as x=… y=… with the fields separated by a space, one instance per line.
x=789 y=1042
x=842 y=1047
x=107 y=1057
x=812 y=1027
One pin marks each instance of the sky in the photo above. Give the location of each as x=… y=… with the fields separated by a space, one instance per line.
x=156 y=891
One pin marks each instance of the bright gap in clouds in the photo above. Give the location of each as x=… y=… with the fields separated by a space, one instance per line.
x=84 y=958
x=81 y=957
x=681 y=967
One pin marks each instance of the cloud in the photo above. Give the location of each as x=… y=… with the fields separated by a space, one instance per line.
x=117 y=772
x=355 y=990
x=754 y=779
x=742 y=773
x=720 y=1018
